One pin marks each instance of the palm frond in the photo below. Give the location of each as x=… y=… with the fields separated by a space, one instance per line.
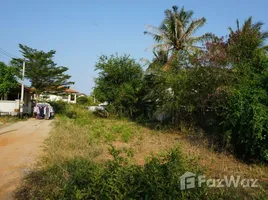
x=204 y=38
x=156 y=37
x=168 y=13
x=198 y=23
x=161 y=46
x=176 y=30
x=257 y=26
x=153 y=29
x=264 y=35
x=185 y=16
x=145 y=61
x=175 y=8
x=180 y=29
x=231 y=30
x=247 y=25
x=237 y=24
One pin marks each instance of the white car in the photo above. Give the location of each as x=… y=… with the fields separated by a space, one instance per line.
x=43 y=110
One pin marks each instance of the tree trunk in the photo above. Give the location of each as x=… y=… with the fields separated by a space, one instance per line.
x=170 y=60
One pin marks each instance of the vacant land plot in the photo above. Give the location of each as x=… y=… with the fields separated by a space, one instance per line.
x=90 y=157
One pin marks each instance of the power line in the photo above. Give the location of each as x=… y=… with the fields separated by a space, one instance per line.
x=4 y=52
x=4 y=57
x=8 y=53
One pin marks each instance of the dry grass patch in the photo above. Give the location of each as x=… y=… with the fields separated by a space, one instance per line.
x=4 y=120
x=89 y=137
x=217 y=165
x=91 y=140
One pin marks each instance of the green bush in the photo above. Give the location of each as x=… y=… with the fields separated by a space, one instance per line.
x=60 y=107
x=83 y=100
x=119 y=178
x=246 y=123
x=72 y=114
x=118 y=83
x=63 y=108
x=101 y=113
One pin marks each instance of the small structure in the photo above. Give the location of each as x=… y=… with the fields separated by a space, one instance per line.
x=10 y=102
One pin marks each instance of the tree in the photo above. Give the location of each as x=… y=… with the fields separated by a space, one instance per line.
x=159 y=60
x=8 y=80
x=176 y=32
x=118 y=83
x=213 y=55
x=246 y=114
x=245 y=40
x=41 y=70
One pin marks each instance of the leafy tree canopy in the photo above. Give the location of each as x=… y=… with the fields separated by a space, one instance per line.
x=41 y=70
x=7 y=78
x=118 y=82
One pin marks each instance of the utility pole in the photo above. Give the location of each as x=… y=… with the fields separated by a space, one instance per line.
x=22 y=88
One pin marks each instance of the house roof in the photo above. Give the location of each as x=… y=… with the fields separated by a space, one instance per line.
x=69 y=90
x=26 y=88
x=62 y=88
x=81 y=94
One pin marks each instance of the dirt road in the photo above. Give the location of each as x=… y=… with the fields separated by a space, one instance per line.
x=20 y=143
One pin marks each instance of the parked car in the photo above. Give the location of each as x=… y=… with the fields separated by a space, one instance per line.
x=43 y=111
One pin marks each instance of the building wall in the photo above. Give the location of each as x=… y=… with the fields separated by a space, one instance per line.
x=70 y=98
x=12 y=105
x=9 y=107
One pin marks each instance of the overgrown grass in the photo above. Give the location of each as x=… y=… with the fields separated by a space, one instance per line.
x=87 y=157
x=10 y=119
x=81 y=178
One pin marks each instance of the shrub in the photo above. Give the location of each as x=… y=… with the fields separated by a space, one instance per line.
x=118 y=83
x=60 y=107
x=246 y=123
x=72 y=114
x=101 y=113
x=82 y=100
x=79 y=178
x=85 y=100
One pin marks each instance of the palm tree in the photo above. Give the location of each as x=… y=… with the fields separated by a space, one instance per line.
x=160 y=59
x=176 y=32
x=251 y=31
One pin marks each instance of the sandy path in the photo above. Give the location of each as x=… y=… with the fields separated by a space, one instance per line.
x=19 y=145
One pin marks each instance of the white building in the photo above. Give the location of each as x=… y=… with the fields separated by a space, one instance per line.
x=68 y=95
x=10 y=103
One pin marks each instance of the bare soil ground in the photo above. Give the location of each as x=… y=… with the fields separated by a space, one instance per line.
x=19 y=145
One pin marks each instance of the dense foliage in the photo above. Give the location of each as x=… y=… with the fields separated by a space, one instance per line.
x=42 y=72
x=118 y=83
x=7 y=79
x=86 y=101
x=220 y=86
x=80 y=178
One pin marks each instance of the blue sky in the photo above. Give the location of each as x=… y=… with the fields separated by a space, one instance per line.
x=80 y=31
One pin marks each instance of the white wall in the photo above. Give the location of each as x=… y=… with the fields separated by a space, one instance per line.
x=8 y=107
x=53 y=97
